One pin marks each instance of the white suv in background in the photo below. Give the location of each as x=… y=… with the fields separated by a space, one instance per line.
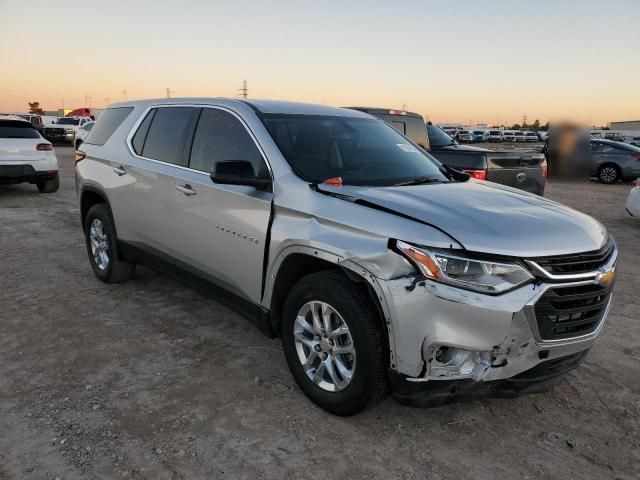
x=508 y=136
x=26 y=157
x=82 y=133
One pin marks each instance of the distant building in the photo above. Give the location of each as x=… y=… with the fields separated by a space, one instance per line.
x=630 y=125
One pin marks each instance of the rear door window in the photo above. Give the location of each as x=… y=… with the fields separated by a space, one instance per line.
x=220 y=137
x=106 y=124
x=167 y=134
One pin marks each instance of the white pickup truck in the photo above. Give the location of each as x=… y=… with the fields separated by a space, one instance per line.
x=64 y=129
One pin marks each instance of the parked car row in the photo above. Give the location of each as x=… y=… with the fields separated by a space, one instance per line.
x=68 y=129
x=495 y=135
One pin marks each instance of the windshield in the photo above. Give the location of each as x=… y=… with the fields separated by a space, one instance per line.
x=478 y=132
x=68 y=121
x=360 y=151
x=438 y=137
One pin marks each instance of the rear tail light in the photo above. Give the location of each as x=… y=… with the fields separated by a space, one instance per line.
x=44 y=147
x=545 y=171
x=477 y=174
x=80 y=156
x=636 y=156
x=397 y=112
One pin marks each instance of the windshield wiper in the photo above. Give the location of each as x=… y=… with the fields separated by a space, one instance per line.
x=420 y=181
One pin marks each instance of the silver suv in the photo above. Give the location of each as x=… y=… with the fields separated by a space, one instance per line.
x=377 y=266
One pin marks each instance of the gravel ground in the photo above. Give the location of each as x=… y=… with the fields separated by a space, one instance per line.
x=150 y=379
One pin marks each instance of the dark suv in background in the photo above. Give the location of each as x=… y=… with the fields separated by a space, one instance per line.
x=525 y=170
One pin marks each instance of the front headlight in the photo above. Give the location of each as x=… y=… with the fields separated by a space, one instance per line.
x=69 y=130
x=455 y=269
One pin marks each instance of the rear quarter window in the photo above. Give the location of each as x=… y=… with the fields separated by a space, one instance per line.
x=106 y=124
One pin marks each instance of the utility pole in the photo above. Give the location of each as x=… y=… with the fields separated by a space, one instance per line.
x=404 y=107
x=524 y=120
x=107 y=101
x=169 y=92
x=124 y=95
x=244 y=91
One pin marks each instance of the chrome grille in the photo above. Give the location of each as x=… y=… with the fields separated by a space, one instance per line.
x=578 y=262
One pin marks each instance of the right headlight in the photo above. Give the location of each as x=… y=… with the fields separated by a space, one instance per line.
x=453 y=268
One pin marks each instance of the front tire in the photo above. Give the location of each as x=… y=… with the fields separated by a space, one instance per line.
x=100 y=237
x=49 y=186
x=334 y=344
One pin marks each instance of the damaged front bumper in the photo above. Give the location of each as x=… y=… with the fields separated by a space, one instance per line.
x=452 y=343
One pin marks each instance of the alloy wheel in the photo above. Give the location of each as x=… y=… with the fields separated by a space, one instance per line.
x=324 y=346
x=99 y=244
x=608 y=174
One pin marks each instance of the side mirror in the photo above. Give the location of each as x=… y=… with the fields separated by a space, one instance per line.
x=238 y=172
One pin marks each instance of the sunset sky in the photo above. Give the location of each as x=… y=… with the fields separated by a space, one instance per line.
x=466 y=61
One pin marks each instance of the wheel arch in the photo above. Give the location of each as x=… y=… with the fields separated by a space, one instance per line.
x=90 y=196
x=299 y=261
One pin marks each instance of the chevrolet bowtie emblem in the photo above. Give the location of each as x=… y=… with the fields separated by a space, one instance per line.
x=606 y=277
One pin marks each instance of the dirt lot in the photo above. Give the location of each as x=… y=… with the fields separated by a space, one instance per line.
x=150 y=379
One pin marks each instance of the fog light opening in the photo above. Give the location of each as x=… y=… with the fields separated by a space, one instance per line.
x=449 y=356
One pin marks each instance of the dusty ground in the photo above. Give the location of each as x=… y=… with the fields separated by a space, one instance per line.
x=152 y=380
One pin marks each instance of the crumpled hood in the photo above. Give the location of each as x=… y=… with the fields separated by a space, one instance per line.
x=488 y=217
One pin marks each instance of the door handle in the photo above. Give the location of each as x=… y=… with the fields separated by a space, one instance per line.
x=186 y=189
x=119 y=170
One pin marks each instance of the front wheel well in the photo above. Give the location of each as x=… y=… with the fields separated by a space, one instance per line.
x=298 y=265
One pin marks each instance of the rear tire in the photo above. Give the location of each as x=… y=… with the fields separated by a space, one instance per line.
x=100 y=238
x=361 y=375
x=49 y=186
x=608 y=173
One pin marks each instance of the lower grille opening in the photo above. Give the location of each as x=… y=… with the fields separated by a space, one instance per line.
x=565 y=312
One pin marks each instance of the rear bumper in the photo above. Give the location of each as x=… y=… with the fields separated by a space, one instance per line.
x=537 y=379
x=11 y=174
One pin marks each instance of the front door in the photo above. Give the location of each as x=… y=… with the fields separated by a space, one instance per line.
x=222 y=228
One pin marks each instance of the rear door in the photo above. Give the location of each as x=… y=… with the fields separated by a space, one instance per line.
x=142 y=204
x=222 y=229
